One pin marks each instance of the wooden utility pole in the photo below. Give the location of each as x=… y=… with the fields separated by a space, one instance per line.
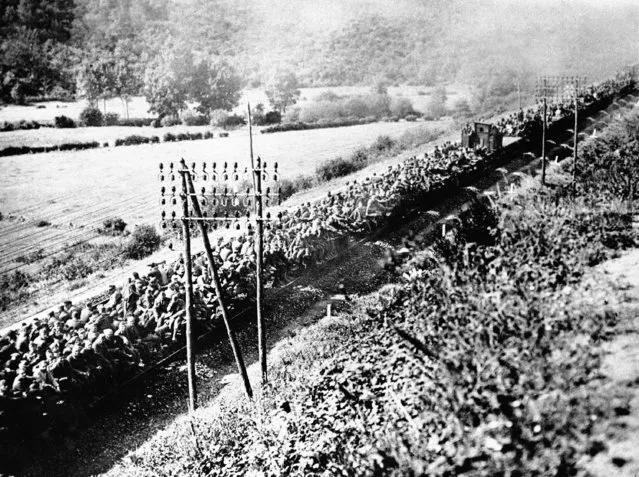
x=261 y=339
x=237 y=352
x=543 y=140
x=574 y=160
x=259 y=213
x=188 y=272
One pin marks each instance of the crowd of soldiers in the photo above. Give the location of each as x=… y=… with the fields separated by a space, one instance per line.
x=79 y=352
x=519 y=124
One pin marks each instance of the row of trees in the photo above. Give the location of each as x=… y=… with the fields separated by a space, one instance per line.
x=173 y=79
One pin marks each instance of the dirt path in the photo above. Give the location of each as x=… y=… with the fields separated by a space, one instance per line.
x=620 y=433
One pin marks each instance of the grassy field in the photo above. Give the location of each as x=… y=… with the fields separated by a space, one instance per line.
x=75 y=191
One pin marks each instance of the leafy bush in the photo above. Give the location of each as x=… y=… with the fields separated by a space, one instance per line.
x=68 y=267
x=7 y=127
x=112 y=119
x=192 y=119
x=18 y=93
x=168 y=121
x=156 y=123
x=289 y=187
x=383 y=144
x=169 y=137
x=334 y=168
x=63 y=122
x=234 y=120
x=91 y=117
x=218 y=118
x=401 y=107
x=327 y=95
x=292 y=115
x=143 y=242
x=112 y=226
x=411 y=117
x=208 y=135
x=23 y=124
x=273 y=117
x=14 y=288
x=461 y=108
x=31 y=257
x=224 y=134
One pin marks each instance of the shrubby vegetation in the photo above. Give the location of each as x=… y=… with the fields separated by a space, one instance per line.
x=373 y=105
x=135 y=140
x=91 y=117
x=80 y=261
x=143 y=242
x=112 y=226
x=23 y=124
x=63 y=122
x=383 y=147
x=14 y=287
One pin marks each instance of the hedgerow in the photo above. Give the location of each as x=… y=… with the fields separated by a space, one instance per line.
x=135 y=140
x=302 y=126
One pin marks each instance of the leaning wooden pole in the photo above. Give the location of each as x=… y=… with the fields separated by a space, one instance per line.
x=237 y=352
x=188 y=275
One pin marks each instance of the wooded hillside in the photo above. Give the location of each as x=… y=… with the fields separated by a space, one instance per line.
x=45 y=45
